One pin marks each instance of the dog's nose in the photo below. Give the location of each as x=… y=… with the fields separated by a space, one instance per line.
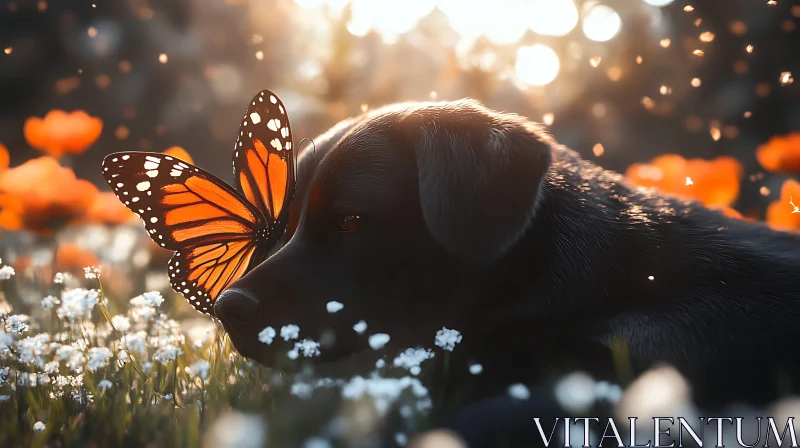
x=236 y=304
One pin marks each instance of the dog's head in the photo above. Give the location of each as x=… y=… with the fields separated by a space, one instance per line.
x=397 y=216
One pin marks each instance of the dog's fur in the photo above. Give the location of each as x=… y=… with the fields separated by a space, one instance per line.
x=479 y=221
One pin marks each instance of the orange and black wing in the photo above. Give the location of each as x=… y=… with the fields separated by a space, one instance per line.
x=214 y=232
x=264 y=160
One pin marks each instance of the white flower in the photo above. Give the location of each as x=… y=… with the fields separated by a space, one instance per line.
x=98 y=358
x=360 y=327
x=17 y=323
x=122 y=357
x=317 y=442
x=51 y=367
x=475 y=369
x=32 y=348
x=3 y=375
x=412 y=358
x=136 y=342
x=290 y=332
x=384 y=391
x=5 y=340
x=267 y=335
x=302 y=390
x=308 y=347
x=519 y=391
x=334 y=306
x=4 y=398
x=199 y=369
x=378 y=340
x=447 y=339
x=167 y=353
x=77 y=303
x=92 y=272
x=104 y=384
x=401 y=438
x=379 y=364
x=38 y=426
x=152 y=298
x=49 y=301
x=60 y=277
x=121 y=323
x=293 y=353
x=6 y=272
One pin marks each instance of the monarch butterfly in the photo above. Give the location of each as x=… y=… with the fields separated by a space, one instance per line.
x=217 y=233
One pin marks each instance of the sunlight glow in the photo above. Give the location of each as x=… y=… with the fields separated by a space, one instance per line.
x=601 y=23
x=389 y=19
x=537 y=65
x=658 y=2
x=552 y=17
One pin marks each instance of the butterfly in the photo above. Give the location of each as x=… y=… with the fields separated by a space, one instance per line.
x=218 y=233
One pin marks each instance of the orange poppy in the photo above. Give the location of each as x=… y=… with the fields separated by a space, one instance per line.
x=106 y=208
x=784 y=214
x=781 y=153
x=46 y=195
x=60 y=133
x=4 y=158
x=715 y=183
x=179 y=153
x=71 y=258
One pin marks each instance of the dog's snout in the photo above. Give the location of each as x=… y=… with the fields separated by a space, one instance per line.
x=236 y=304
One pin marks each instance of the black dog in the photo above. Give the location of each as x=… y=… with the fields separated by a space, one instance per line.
x=425 y=215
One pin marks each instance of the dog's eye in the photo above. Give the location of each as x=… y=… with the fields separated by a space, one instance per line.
x=348 y=223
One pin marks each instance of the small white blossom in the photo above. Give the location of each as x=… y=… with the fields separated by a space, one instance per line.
x=475 y=369
x=5 y=340
x=98 y=358
x=199 y=369
x=17 y=323
x=378 y=340
x=360 y=327
x=447 y=339
x=38 y=426
x=104 y=384
x=77 y=303
x=379 y=364
x=4 y=398
x=267 y=335
x=412 y=358
x=121 y=323
x=60 y=277
x=6 y=272
x=31 y=349
x=307 y=347
x=49 y=301
x=51 y=367
x=401 y=438
x=290 y=332
x=384 y=391
x=152 y=298
x=519 y=391
x=167 y=353
x=136 y=342
x=317 y=442
x=92 y=272
x=293 y=353
x=334 y=306
x=122 y=357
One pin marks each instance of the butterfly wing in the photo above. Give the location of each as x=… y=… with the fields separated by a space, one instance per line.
x=264 y=160
x=215 y=232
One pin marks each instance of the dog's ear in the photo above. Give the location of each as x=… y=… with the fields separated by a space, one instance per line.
x=480 y=175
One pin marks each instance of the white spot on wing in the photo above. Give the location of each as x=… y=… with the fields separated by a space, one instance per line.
x=150 y=165
x=276 y=144
x=143 y=186
x=273 y=124
x=255 y=117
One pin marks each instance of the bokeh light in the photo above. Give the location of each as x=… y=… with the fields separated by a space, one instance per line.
x=553 y=17
x=601 y=23
x=537 y=64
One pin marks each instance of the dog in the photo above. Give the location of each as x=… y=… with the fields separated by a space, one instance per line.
x=419 y=216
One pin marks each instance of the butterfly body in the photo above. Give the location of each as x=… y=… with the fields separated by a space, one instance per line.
x=218 y=233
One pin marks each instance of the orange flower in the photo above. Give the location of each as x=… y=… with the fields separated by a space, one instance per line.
x=10 y=212
x=4 y=159
x=46 y=194
x=60 y=133
x=107 y=209
x=715 y=183
x=783 y=214
x=781 y=153
x=179 y=153
x=71 y=258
